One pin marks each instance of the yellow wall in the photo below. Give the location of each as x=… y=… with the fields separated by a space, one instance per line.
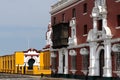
x=7 y=63
x=1 y=63
x=45 y=60
x=19 y=61
x=14 y=63
x=19 y=58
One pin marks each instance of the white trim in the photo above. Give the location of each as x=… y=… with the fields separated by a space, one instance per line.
x=85 y=72
x=116 y=48
x=46 y=49
x=31 y=53
x=118 y=27
x=85 y=13
x=85 y=44
x=117 y=1
x=117 y=72
x=72 y=53
x=56 y=12
x=37 y=60
x=115 y=40
x=79 y=46
x=85 y=35
x=73 y=71
x=71 y=47
x=53 y=55
x=84 y=51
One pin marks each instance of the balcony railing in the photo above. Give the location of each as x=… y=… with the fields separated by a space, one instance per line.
x=60 y=35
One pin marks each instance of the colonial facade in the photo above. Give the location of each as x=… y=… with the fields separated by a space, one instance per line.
x=26 y=62
x=85 y=37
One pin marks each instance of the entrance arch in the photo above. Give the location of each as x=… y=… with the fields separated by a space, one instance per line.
x=100 y=61
x=30 y=63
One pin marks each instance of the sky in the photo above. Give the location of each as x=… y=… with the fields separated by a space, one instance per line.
x=23 y=24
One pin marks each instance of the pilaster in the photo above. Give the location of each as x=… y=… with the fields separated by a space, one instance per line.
x=108 y=60
x=92 y=67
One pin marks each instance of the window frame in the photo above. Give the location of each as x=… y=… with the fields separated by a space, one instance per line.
x=85 y=29
x=117 y=60
x=73 y=12
x=85 y=62
x=85 y=8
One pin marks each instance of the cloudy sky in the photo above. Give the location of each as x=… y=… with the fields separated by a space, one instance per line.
x=23 y=24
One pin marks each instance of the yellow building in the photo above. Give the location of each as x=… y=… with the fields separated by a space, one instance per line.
x=26 y=62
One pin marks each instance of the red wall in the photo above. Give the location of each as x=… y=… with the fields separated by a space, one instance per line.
x=113 y=10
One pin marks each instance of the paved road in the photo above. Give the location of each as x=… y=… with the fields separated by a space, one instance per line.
x=4 y=76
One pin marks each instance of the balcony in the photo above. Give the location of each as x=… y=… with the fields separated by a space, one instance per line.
x=60 y=35
x=62 y=4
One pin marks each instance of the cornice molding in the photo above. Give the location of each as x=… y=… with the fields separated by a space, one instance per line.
x=59 y=6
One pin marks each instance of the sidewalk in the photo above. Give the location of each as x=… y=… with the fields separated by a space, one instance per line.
x=57 y=79
x=49 y=78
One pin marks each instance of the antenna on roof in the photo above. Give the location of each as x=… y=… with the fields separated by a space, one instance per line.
x=28 y=43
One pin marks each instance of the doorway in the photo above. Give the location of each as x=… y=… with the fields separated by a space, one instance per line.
x=63 y=62
x=101 y=62
x=30 y=63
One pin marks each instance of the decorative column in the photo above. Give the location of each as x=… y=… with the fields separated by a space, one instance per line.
x=92 y=67
x=66 y=62
x=95 y=24
x=73 y=39
x=108 y=59
x=60 y=68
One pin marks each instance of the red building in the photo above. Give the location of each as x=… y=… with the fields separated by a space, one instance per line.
x=85 y=38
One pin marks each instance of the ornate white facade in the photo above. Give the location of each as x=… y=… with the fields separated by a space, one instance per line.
x=32 y=54
x=100 y=44
x=99 y=12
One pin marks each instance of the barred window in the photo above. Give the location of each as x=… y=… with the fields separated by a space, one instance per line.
x=118 y=61
x=73 y=62
x=85 y=62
